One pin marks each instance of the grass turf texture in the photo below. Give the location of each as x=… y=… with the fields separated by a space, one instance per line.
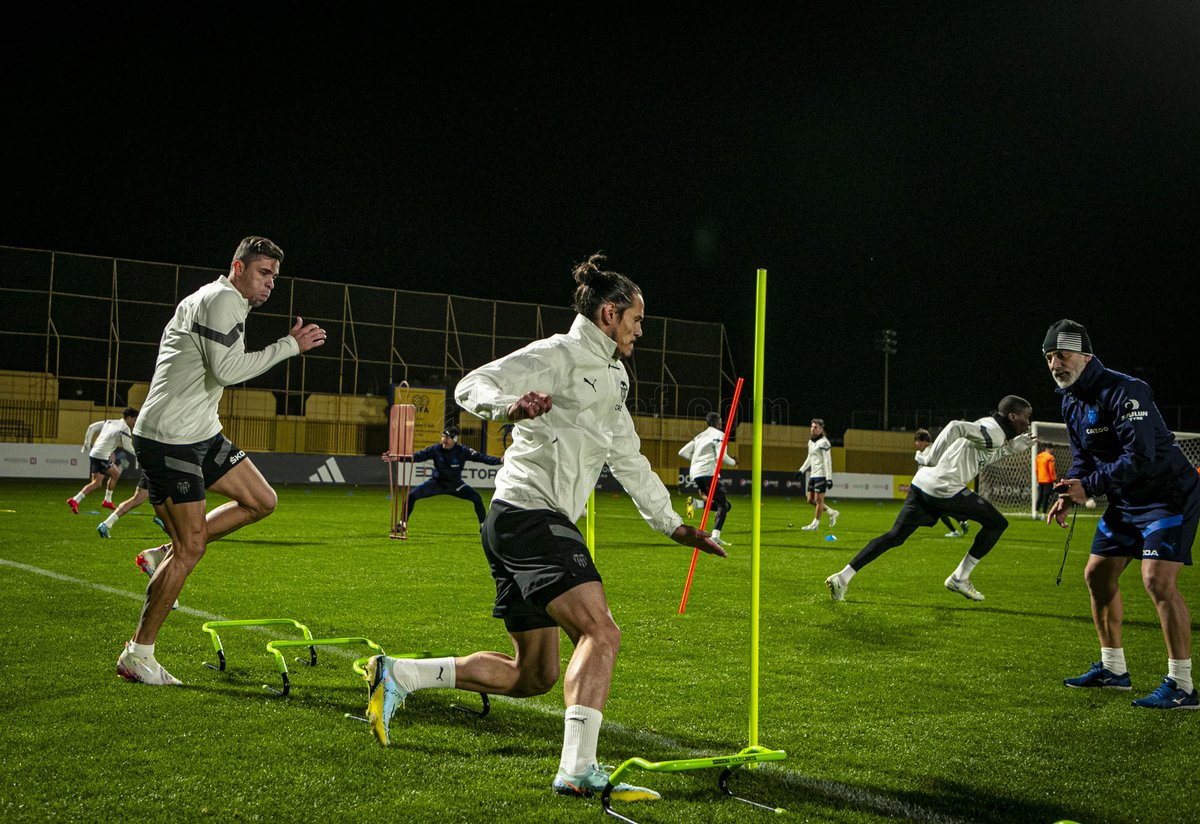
x=905 y=702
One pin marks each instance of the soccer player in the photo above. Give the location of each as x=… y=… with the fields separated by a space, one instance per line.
x=923 y=441
x=1046 y=476
x=104 y=437
x=566 y=395
x=1122 y=448
x=819 y=466
x=448 y=457
x=939 y=488
x=178 y=438
x=702 y=451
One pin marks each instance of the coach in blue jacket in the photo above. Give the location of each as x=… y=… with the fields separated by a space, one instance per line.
x=1123 y=449
x=449 y=457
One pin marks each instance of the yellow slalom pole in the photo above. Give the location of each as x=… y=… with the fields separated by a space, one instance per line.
x=760 y=330
x=591 y=524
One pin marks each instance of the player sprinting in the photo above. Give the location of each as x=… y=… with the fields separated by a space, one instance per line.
x=178 y=438
x=449 y=457
x=939 y=488
x=103 y=437
x=924 y=444
x=566 y=396
x=702 y=451
x=819 y=468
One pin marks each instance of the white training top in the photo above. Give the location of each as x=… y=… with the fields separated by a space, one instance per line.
x=556 y=458
x=961 y=449
x=203 y=350
x=108 y=435
x=702 y=451
x=819 y=463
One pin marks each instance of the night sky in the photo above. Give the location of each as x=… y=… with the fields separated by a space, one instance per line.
x=965 y=176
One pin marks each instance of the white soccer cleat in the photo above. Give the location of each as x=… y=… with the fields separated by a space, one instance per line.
x=833 y=516
x=954 y=534
x=811 y=526
x=143 y=669
x=837 y=589
x=964 y=587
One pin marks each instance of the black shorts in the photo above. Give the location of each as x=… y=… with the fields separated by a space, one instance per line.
x=182 y=472
x=535 y=556
x=99 y=466
x=819 y=485
x=921 y=509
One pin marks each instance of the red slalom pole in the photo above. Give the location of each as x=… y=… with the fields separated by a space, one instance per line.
x=687 y=587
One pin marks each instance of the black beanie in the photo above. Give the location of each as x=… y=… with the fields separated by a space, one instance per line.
x=1067 y=336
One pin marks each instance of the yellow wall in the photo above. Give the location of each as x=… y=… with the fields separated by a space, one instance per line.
x=336 y=425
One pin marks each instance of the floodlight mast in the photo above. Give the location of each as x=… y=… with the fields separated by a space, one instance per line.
x=886 y=342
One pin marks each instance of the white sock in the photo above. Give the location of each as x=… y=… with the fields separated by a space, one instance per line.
x=1113 y=659
x=143 y=650
x=831 y=512
x=716 y=533
x=108 y=495
x=963 y=571
x=1180 y=671
x=79 y=496
x=111 y=520
x=815 y=522
x=847 y=573
x=424 y=673
x=581 y=733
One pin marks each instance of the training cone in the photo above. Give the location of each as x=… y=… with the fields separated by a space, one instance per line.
x=830 y=537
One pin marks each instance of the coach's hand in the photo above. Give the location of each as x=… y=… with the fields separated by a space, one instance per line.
x=1058 y=512
x=697 y=539
x=530 y=405
x=308 y=336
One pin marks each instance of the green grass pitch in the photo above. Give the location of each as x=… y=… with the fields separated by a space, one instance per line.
x=904 y=703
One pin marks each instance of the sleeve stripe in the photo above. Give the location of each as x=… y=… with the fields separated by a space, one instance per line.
x=224 y=338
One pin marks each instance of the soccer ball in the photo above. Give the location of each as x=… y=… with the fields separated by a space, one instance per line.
x=1090 y=503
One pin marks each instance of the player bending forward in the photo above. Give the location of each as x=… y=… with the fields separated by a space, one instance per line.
x=940 y=488
x=566 y=396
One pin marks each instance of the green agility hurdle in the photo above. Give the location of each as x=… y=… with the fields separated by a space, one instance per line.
x=281 y=665
x=211 y=628
x=727 y=763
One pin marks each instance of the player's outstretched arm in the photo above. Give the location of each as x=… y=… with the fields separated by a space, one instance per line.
x=697 y=539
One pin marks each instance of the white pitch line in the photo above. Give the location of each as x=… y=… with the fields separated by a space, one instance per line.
x=850 y=795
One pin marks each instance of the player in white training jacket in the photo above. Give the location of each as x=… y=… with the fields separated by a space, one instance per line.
x=702 y=452
x=178 y=437
x=103 y=437
x=939 y=488
x=819 y=467
x=566 y=396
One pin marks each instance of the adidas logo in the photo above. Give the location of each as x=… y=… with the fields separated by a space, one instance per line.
x=327 y=473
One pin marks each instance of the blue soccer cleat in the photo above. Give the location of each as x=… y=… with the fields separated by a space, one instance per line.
x=1098 y=676
x=1169 y=696
x=385 y=695
x=593 y=782
x=103 y=530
